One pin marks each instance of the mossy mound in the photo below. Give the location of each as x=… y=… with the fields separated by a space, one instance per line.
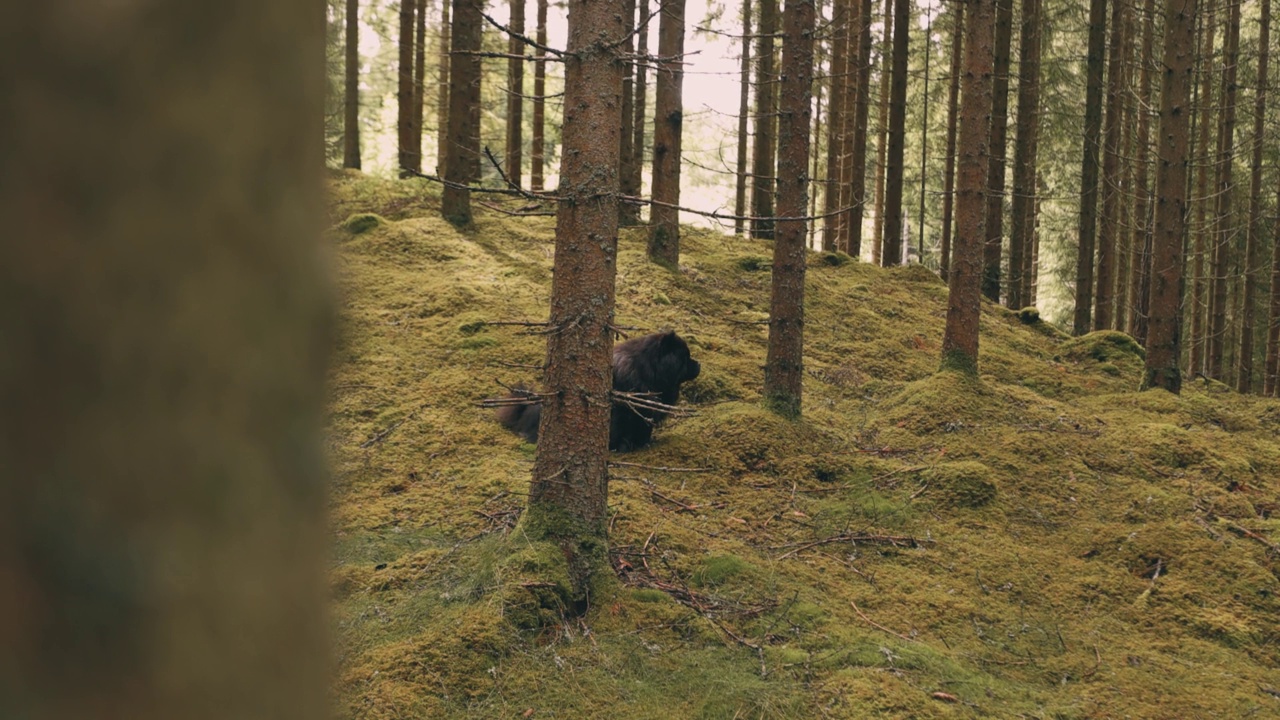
x=1103 y=346
x=965 y=484
x=361 y=223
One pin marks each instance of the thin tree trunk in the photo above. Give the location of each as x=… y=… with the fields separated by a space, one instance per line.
x=537 y=145
x=668 y=125
x=838 y=122
x=464 y=118
x=626 y=141
x=1110 y=187
x=784 y=369
x=953 y=110
x=1271 y=387
x=882 y=146
x=1124 y=220
x=763 y=166
x=815 y=145
x=964 y=303
x=633 y=182
x=442 y=92
x=744 y=110
x=419 y=82
x=991 y=249
x=351 y=107
x=162 y=508
x=1140 y=266
x=515 y=96
x=1022 y=220
x=1031 y=279
x=861 y=106
x=405 y=89
x=1204 y=112
x=1165 y=331
x=1244 y=375
x=924 y=131
x=569 y=492
x=1088 y=227
x=891 y=250
x=1225 y=190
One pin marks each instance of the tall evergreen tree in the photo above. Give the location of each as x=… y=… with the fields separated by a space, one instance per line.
x=891 y=250
x=1108 y=227
x=837 y=124
x=626 y=140
x=744 y=112
x=1140 y=260
x=991 y=249
x=537 y=143
x=405 y=89
x=953 y=112
x=668 y=128
x=1022 y=221
x=442 y=93
x=515 y=94
x=1088 y=226
x=763 y=165
x=632 y=181
x=462 y=160
x=1244 y=372
x=419 y=82
x=1223 y=219
x=351 y=107
x=860 y=57
x=882 y=145
x=1203 y=200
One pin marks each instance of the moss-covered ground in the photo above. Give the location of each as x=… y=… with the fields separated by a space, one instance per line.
x=1044 y=542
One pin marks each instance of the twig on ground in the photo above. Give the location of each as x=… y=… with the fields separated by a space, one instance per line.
x=877 y=625
x=383 y=435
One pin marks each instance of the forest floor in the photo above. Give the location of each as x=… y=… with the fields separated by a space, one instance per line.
x=1043 y=543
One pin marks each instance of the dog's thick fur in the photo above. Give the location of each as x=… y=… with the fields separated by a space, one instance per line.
x=655 y=364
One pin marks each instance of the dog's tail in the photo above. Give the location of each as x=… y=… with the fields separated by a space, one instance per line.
x=521 y=419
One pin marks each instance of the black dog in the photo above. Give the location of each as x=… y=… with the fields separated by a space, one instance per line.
x=654 y=364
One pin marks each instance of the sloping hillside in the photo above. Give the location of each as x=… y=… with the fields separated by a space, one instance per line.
x=1046 y=543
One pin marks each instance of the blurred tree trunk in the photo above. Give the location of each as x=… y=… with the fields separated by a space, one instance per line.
x=351 y=107
x=763 y=165
x=1225 y=228
x=632 y=182
x=744 y=110
x=860 y=59
x=464 y=112
x=953 y=111
x=877 y=233
x=1271 y=386
x=626 y=138
x=405 y=89
x=442 y=92
x=1108 y=227
x=891 y=250
x=1088 y=227
x=570 y=486
x=837 y=125
x=419 y=82
x=162 y=513
x=1022 y=218
x=1204 y=115
x=784 y=364
x=964 y=303
x=537 y=148
x=1244 y=375
x=1140 y=260
x=1165 y=332
x=991 y=246
x=515 y=96
x=668 y=126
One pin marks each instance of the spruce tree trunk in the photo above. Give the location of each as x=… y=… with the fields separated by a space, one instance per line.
x=991 y=250
x=924 y=140
x=632 y=183
x=162 y=508
x=405 y=89
x=1204 y=113
x=744 y=111
x=858 y=151
x=1271 y=386
x=1124 y=219
x=953 y=111
x=569 y=491
x=882 y=146
x=419 y=82
x=891 y=250
x=763 y=164
x=784 y=367
x=464 y=112
x=442 y=91
x=626 y=139
x=351 y=106
x=1022 y=220
x=837 y=125
x=1108 y=227
x=964 y=303
x=537 y=144
x=1140 y=261
x=515 y=96
x=1244 y=374
x=1088 y=226
x=1165 y=331
x=668 y=125
x=1225 y=229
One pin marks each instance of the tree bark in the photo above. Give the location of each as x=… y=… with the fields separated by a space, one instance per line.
x=882 y=146
x=763 y=166
x=162 y=512
x=953 y=111
x=419 y=81
x=1271 y=386
x=1108 y=227
x=569 y=492
x=626 y=139
x=405 y=89
x=784 y=366
x=1244 y=374
x=991 y=250
x=668 y=125
x=537 y=145
x=1225 y=190
x=632 y=183
x=351 y=106
x=442 y=92
x=1164 y=333
x=1204 y=113
x=1088 y=226
x=964 y=304
x=1022 y=220
x=464 y=118
x=858 y=151
x=515 y=96
x=1140 y=261
x=837 y=125
x=744 y=110
x=891 y=250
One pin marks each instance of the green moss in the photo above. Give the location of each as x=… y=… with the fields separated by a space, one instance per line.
x=1103 y=346
x=361 y=223
x=717 y=569
x=966 y=484
x=753 y=263
x=1029 y=315
x=834 y=259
